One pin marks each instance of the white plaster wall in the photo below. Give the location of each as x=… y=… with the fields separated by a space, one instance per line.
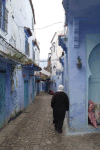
x=22 y=12
x=55 y=55
x=37 y=55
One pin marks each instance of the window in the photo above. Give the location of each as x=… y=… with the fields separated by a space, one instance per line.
x=33 y=50
x=27 y=35
x=26 y=46
x=3 y=16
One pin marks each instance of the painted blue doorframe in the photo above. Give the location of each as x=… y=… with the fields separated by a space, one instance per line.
x=2 y=98
x=33 y=90
x=26 y=94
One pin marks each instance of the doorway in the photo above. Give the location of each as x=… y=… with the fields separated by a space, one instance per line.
x=2 y=98
x=94 y=79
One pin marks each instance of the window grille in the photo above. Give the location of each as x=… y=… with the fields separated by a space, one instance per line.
x=26 y=47
x=33 y=54
x=0 y=12
x=3 y=17
x=33 y=49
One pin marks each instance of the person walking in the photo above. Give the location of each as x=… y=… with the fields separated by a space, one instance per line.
x=60 y=104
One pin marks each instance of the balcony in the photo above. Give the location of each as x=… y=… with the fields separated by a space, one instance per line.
x=63 y=42
x=11 y=55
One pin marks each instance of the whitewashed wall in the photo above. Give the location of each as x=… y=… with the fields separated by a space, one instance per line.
x=37 y=56
x=22 y=13
x=56 y=54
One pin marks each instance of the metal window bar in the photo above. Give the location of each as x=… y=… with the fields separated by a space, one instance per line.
x=27 y=47
x=8 y=48
x=3 y=17
x=0 y=12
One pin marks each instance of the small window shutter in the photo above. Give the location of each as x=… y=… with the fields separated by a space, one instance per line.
x=26 y=46
x=3 y=24
x=6 y=19
x=28 y=49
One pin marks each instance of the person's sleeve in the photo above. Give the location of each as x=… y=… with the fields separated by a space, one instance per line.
x=67 y=103
x=53 y=101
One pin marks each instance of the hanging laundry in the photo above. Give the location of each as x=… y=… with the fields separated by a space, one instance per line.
x=97 y=112
x=91 y=114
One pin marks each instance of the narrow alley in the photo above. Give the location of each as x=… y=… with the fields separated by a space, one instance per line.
x=33 y=130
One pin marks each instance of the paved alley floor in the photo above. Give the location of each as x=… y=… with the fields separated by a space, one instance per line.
x=33 y=130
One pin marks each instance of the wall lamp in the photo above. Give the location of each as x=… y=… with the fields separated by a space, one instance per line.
x=79 y=64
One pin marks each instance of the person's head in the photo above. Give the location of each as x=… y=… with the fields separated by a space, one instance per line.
x=60 y=88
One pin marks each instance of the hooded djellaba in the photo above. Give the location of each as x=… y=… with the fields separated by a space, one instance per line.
x=60 y=104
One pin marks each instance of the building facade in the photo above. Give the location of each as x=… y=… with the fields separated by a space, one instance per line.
x=17 y=64
x=56 y=52
x=82 y=48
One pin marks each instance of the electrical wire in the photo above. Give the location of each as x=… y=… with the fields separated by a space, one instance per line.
x=55 y=41
x=43 y=27
x=25 y=55
x=48 y=26
x=37 y=29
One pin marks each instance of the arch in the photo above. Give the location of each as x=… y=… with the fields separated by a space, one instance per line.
x=92 y=41
x=94 y=78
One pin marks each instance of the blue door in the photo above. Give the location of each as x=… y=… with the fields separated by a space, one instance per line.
x=26 y=102
x=2 y=98
x=33 y=90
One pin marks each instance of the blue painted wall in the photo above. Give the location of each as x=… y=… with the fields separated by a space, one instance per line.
x=77 y=82
x=55 y=85
x=6 y=67
x=77 y=77
x=14 y=100
x=64 y=61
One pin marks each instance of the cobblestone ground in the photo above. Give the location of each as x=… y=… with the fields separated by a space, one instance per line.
x=33 y=130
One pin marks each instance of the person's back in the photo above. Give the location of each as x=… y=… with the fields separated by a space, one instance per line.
x=61 y=100
x=60 y=104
